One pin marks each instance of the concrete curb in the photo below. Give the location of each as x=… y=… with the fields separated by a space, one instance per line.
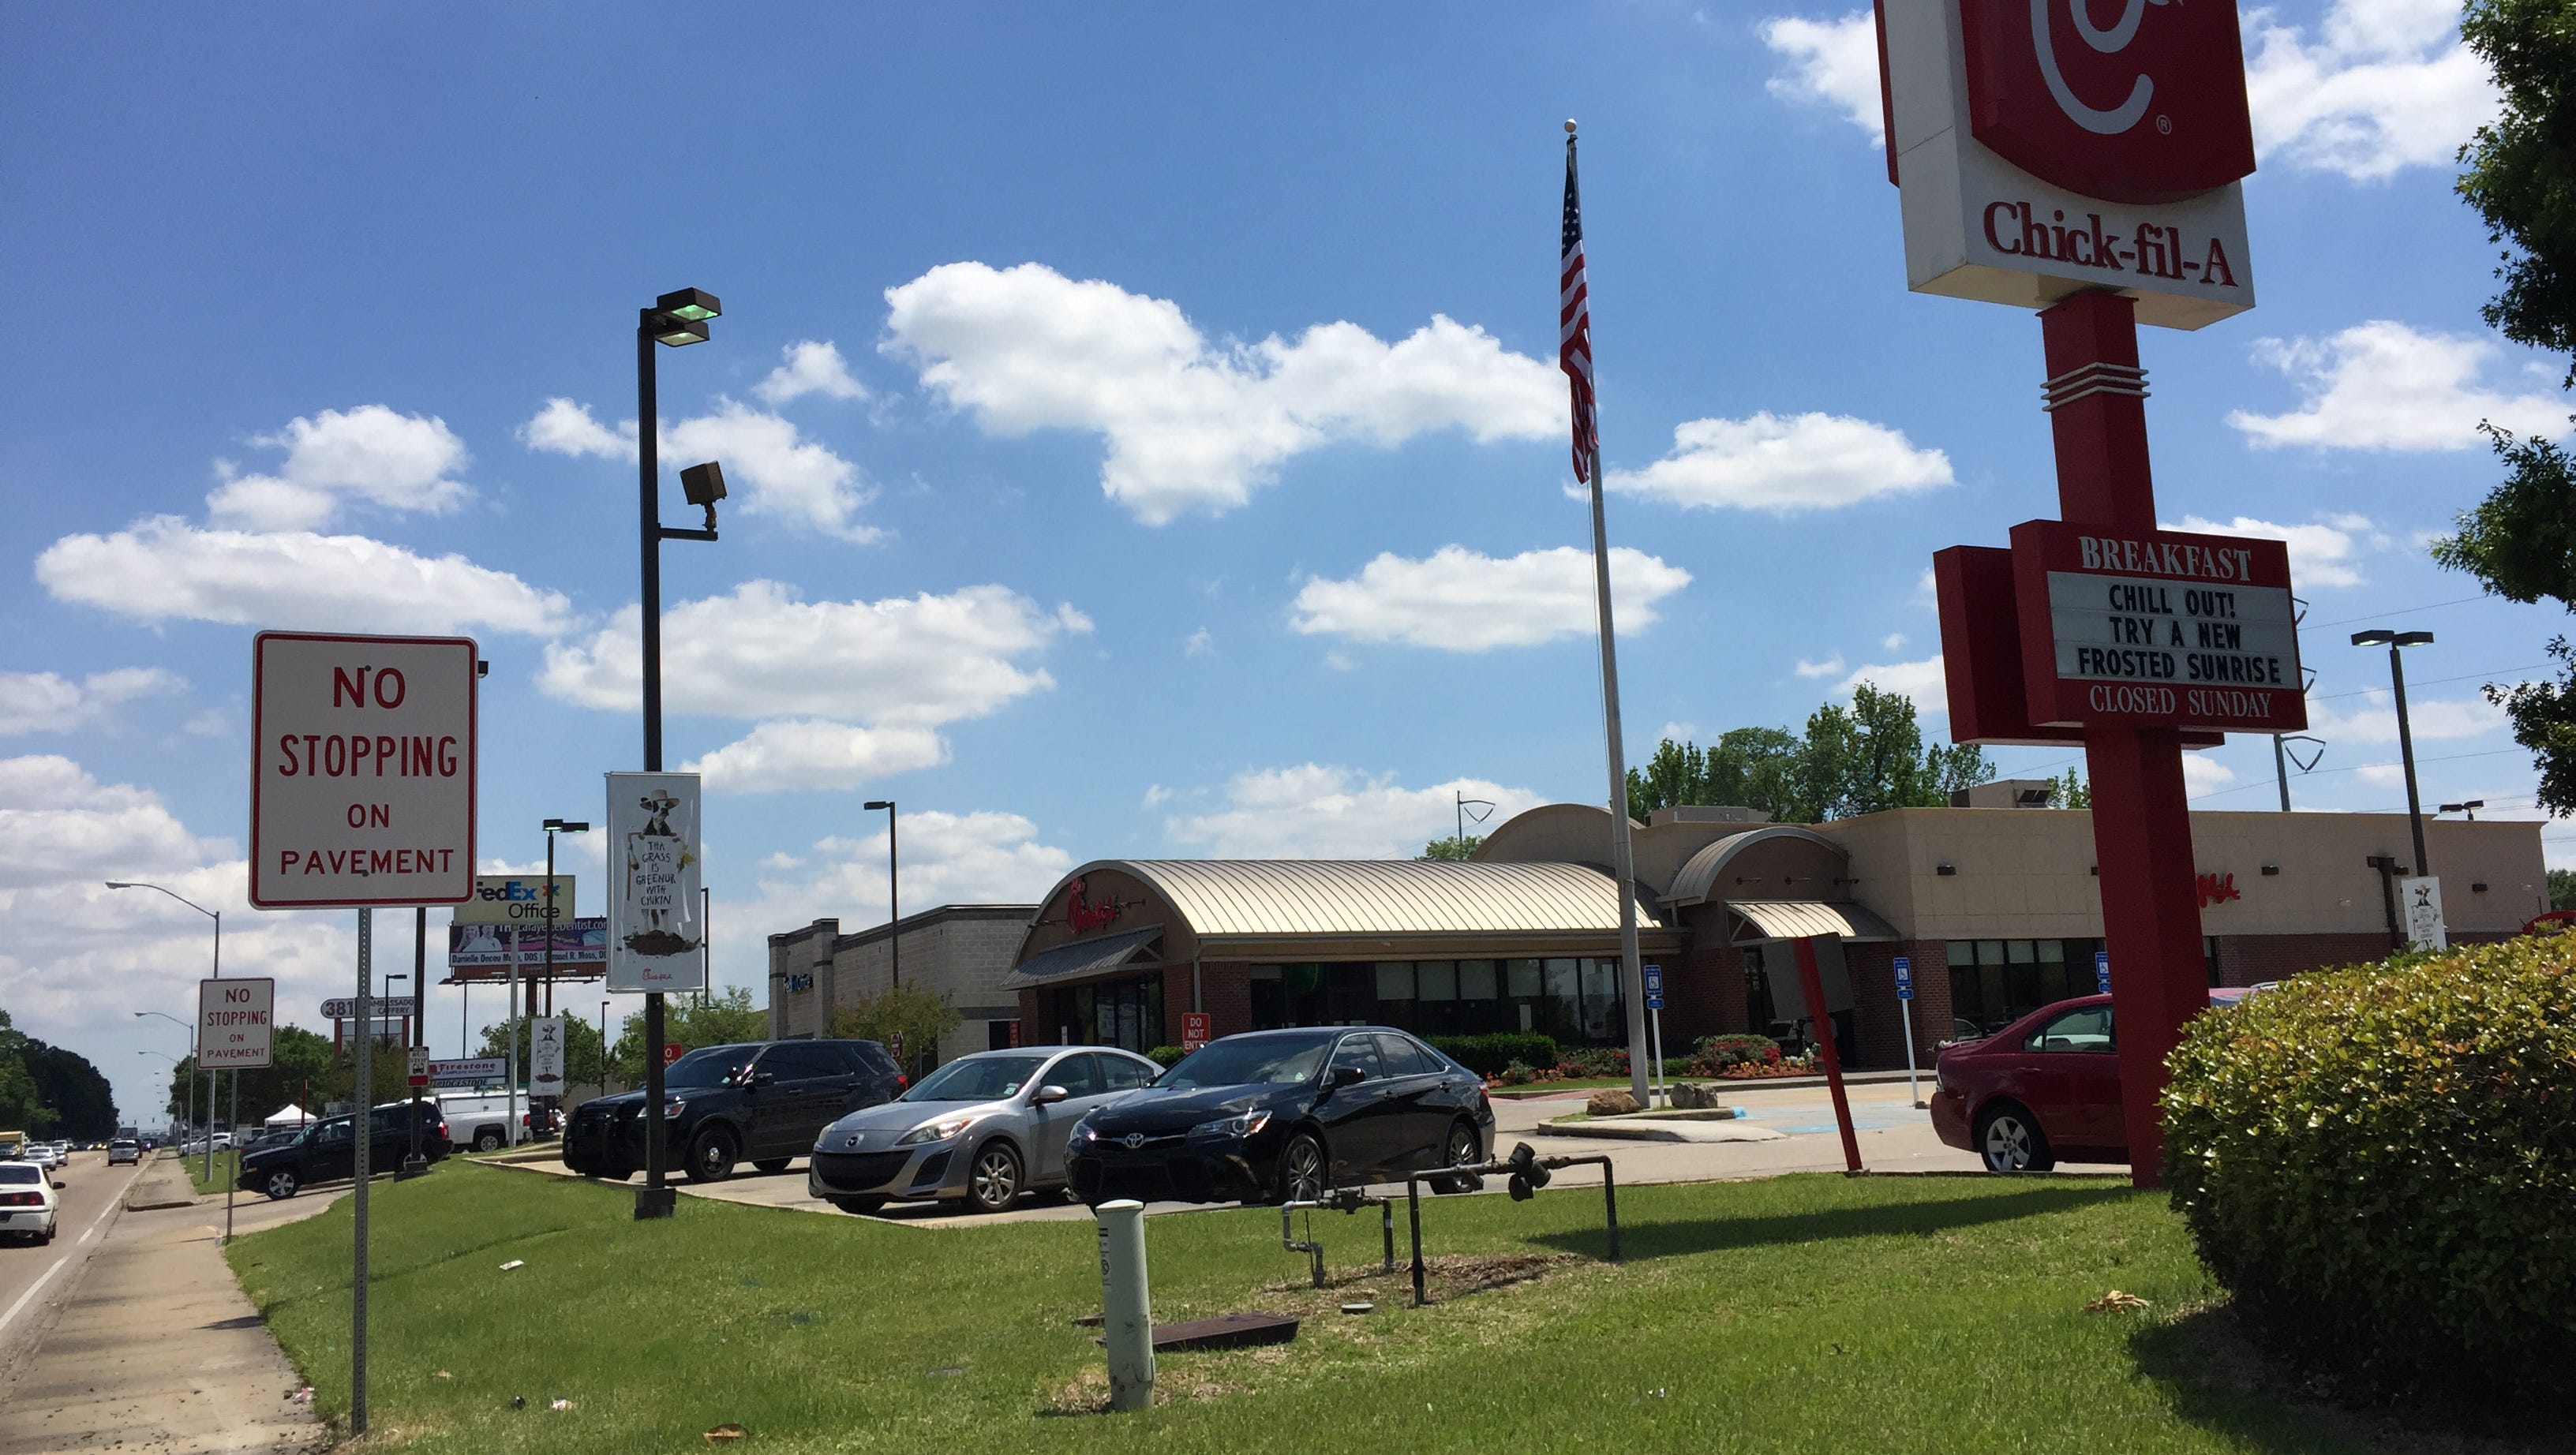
x=1625 y=1129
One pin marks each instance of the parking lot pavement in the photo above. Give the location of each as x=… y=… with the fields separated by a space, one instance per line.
x=1893 y=1135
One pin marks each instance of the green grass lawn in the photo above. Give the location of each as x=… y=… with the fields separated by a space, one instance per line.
x=1814 y=1313
x=225 y=1161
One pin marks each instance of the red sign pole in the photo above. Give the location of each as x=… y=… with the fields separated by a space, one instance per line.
x=1812 y=985
x=2141 y=824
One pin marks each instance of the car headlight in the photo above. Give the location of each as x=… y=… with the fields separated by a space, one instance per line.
x=1234 y=1126
x=938 y=1131
x=674 y=1107
x=1081 y=1135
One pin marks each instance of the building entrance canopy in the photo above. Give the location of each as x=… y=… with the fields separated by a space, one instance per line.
x=1794 y=919
x=1081 y=958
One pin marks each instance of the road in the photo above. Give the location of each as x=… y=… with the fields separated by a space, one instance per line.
x=35 y=1282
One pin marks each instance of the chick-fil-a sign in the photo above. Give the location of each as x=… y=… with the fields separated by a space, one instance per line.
x=2150 y=108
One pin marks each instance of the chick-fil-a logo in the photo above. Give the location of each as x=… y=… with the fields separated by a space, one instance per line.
x=2148 y=109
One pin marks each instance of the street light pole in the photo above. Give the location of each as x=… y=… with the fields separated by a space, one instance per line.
x=674 y=320
x=554 y=916
x=218 y=917
x=894 y=894
x=2394 y=640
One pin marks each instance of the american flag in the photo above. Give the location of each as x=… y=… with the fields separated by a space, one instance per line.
x=1574 y=326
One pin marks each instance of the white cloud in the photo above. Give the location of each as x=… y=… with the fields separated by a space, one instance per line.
x=811 y=367
x=1834 y=62
x=398 y=461
x=1680 y=732
x=1463 y=601
x=2383 y=386
x=42 y=702
x=2381 y=775
x=564 y=427
x=948 y=858
x=1198 y=643
x=1316 y=812
x=762 y=652
x=1921 y=681
x=2372 y=718
x=164 y=568
x=77 y=958
x=2203 y=774
x=1825 y=668
x=2384 y=85
x=809 y=753
x=1893 y=641
x=1194 y=426
x=772 y=467
x=2322 y=553
x=1155 y=795
x=1801 y=462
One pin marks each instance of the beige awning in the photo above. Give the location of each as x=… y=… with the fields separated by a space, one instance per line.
x=1081 y=958
x=1800 y=919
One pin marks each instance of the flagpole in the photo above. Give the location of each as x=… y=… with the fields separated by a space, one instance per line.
x=1632 y=975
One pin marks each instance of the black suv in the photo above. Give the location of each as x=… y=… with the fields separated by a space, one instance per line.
x=327 y=1151
x=764 y=1101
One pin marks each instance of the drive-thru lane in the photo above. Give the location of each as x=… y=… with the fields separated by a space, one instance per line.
x=36 y=1279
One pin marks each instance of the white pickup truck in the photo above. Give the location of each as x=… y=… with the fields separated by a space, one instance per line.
x=480 y=1120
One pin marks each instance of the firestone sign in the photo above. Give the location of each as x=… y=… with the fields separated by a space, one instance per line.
x=2040 y=154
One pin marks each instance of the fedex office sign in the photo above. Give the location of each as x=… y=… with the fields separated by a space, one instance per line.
x=2049 y=146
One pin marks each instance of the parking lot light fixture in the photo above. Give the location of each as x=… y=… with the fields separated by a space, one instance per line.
x=2394 y=641
x=894 y=892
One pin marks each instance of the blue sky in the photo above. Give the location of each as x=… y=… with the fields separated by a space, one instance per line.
x=1142 y=424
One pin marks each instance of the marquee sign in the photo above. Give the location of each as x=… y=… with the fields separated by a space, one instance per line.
x=2157 y=629
x=2039 y=154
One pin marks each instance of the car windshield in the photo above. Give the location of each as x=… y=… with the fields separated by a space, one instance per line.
x=1251 y=1059
x=977 y=1078
x=709 y=1066
x=21 y=1172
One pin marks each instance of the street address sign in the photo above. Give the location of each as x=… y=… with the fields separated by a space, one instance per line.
x=236 y=1023
x=362 y=777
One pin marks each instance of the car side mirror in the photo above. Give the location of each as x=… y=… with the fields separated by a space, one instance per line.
x=760 y=1078
x=1047 y=1094
x=59 y=1186
x=1348 y=1076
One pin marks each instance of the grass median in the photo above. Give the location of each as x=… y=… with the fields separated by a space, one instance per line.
x=1795 y=1314
x=225 y=1162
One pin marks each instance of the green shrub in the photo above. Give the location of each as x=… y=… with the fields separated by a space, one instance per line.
x=1166 y=1056
x=1594 y=1061
x=1716 y=1055
x=2384 y=1159
x=1488 y=1055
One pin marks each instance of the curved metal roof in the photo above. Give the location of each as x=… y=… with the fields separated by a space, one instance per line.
x=1692 y=884
x=1224 y=897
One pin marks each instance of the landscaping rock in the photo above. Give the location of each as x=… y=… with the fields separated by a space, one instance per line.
x=1693 y=1095
x=1610 y=1103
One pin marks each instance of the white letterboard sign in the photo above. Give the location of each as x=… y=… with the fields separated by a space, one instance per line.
x=2157 y=628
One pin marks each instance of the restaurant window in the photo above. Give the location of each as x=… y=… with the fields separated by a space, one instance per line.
x=1124 y=1013
x=1575 y=1001
x=1996 y=982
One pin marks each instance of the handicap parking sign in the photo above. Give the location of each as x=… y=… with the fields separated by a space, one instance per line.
x=1654 y=987
x=1904 y=978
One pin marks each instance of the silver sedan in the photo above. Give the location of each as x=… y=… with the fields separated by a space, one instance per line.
x=974 y=1134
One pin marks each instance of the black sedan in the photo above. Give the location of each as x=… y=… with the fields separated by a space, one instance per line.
x=1274 y=1115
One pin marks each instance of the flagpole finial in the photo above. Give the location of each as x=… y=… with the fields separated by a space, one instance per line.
x=1569 y=126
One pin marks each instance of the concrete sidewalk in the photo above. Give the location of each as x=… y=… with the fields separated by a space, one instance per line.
x=159 y=1351
x=164 y=1183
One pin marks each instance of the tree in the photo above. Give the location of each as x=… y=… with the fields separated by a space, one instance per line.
x=22 y=1105
x=2520 y=542
x=83 y=1106
x=583 y=1054
x=909 y=1011
x=2070 y=792
x=2562 y=889
x=723 y=1020
x=1454 y=851
x=1861 y=759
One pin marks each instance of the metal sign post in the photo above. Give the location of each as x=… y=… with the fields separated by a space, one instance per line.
x=362 y=794
x=1905 y=1008
x=363 y=1133
x=1661 y=1087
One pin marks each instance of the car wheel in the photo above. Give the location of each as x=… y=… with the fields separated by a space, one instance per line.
x=2009 y=1139
x=280 y=1184
x=862 y=1206
x=711 y=1156
x=771 y=1164
x=994 y=1183
x=1465 y=1149
x=1304 y=1174
x=487 y=1140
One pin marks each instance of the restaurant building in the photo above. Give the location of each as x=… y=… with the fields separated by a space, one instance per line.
x=1997 y=910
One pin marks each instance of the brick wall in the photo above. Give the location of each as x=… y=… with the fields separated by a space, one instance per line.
x=1225 y=989
x=1878 y=1020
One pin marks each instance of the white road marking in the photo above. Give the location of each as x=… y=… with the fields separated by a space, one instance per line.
x=41 y=1280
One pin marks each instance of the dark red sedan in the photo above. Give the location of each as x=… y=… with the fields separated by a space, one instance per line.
x=2043 y=1090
